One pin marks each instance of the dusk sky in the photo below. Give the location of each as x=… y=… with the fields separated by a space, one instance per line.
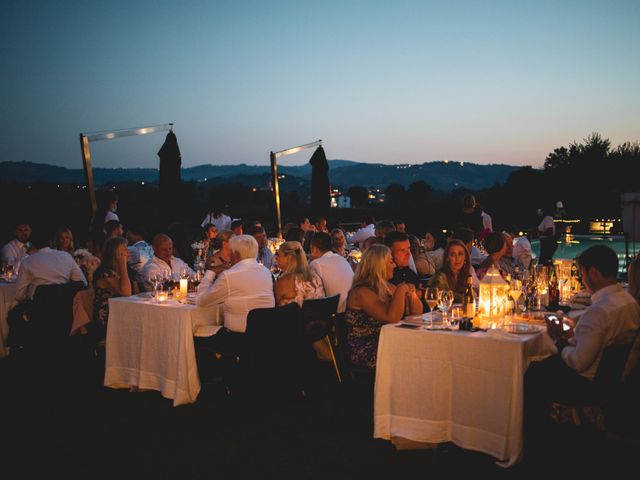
x=392 y=82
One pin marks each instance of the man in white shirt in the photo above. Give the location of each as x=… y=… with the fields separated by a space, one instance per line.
x=333 y=269
x=367 y=229
x=140 y=252
x=241 y=288
x=46 y=267
x=14 y=251
x=613 y=318
x=163 y=261
x=522 y=251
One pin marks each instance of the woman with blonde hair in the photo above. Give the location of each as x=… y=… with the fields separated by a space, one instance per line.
x=63 y=240
x=374 y=301
x=297 y=282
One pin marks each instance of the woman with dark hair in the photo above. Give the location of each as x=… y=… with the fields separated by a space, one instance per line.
x=63 y=240
x=456 y=267
x=111 y=279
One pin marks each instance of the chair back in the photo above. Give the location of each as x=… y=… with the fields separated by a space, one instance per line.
x=318 y=316
x=612 y=364
x=52 y=311
x=276 y=353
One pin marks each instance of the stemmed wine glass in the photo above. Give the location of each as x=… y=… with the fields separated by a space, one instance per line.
x=431 y=298
x=445 y=300
x=516 y=291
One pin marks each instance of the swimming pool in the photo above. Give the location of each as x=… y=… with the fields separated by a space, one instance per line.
x=570 y=246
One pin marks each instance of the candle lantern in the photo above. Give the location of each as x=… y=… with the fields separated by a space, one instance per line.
x=492 y=301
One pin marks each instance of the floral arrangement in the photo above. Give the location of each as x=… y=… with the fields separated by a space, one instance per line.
x=197 y=245
x=81 y=252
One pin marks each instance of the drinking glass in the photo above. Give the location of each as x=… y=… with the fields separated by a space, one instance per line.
x=445 y=300
x=516 y=292
x=431 y=298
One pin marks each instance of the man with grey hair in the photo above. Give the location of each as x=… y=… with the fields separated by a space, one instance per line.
x=241 y=288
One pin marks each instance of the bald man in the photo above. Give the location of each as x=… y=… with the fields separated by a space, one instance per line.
x=163 y=261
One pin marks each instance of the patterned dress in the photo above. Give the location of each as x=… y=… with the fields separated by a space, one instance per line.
x=363 y=333
x=101 y=300
x=305 y=291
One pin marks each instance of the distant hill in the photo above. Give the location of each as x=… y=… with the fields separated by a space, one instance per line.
x=344 y=173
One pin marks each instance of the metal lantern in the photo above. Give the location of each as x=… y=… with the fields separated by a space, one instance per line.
x=493 y=298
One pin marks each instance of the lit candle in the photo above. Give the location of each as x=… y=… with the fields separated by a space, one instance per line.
x=184 y=286
x=161 y=296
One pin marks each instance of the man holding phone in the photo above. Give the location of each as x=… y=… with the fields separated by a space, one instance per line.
x=612 y=318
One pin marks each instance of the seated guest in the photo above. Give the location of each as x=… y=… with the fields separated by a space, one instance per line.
x=163 y=262
x=370 y=241
x=63 y=240
x=221 y=260
x=46 y=267
x=334 y=271
x=113 y=228
x=287 y=227
x=140 y=252
x=429 y=259
x=522 y=251
x=495 y=246
x=14 y=251
x=241 y=288
x=294 y=234
x=308 y=228
x=613 y=318
x=399 y=244
x=455 y=269
x=367 y=229
x=508 y=263
x=110 y=280
x=466 y=236
x=373 y=301
x=297 y=282
x=384 y=228
x=338 y=242
x=400 y=226
x=265 y=257
x=321 y=225
x=209 y=240
x=236 y=227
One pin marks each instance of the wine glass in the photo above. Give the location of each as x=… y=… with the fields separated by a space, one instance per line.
x=445 y=300
x=516 y=291
x=431 y=298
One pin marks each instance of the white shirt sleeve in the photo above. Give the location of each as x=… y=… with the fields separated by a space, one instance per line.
x=22 y=283
x=76 y=274
x=587 y=342
x=213 y=293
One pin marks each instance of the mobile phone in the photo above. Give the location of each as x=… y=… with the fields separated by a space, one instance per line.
x=553 y=319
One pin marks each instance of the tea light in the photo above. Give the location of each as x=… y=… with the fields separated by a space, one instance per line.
x=161 y=296
x=184 y=286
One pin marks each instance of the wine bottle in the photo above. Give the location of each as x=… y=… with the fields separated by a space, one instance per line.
x=469 y=299
x=554 y=289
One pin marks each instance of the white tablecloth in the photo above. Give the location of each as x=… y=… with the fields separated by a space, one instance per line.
x=7 y=298
x=462 y=387
x=150 y=346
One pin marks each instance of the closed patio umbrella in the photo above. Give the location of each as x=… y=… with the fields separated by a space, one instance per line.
x=170 y=180
x=320 y=195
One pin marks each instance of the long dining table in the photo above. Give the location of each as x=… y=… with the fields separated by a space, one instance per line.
x=435 y=386
x=149 y=345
